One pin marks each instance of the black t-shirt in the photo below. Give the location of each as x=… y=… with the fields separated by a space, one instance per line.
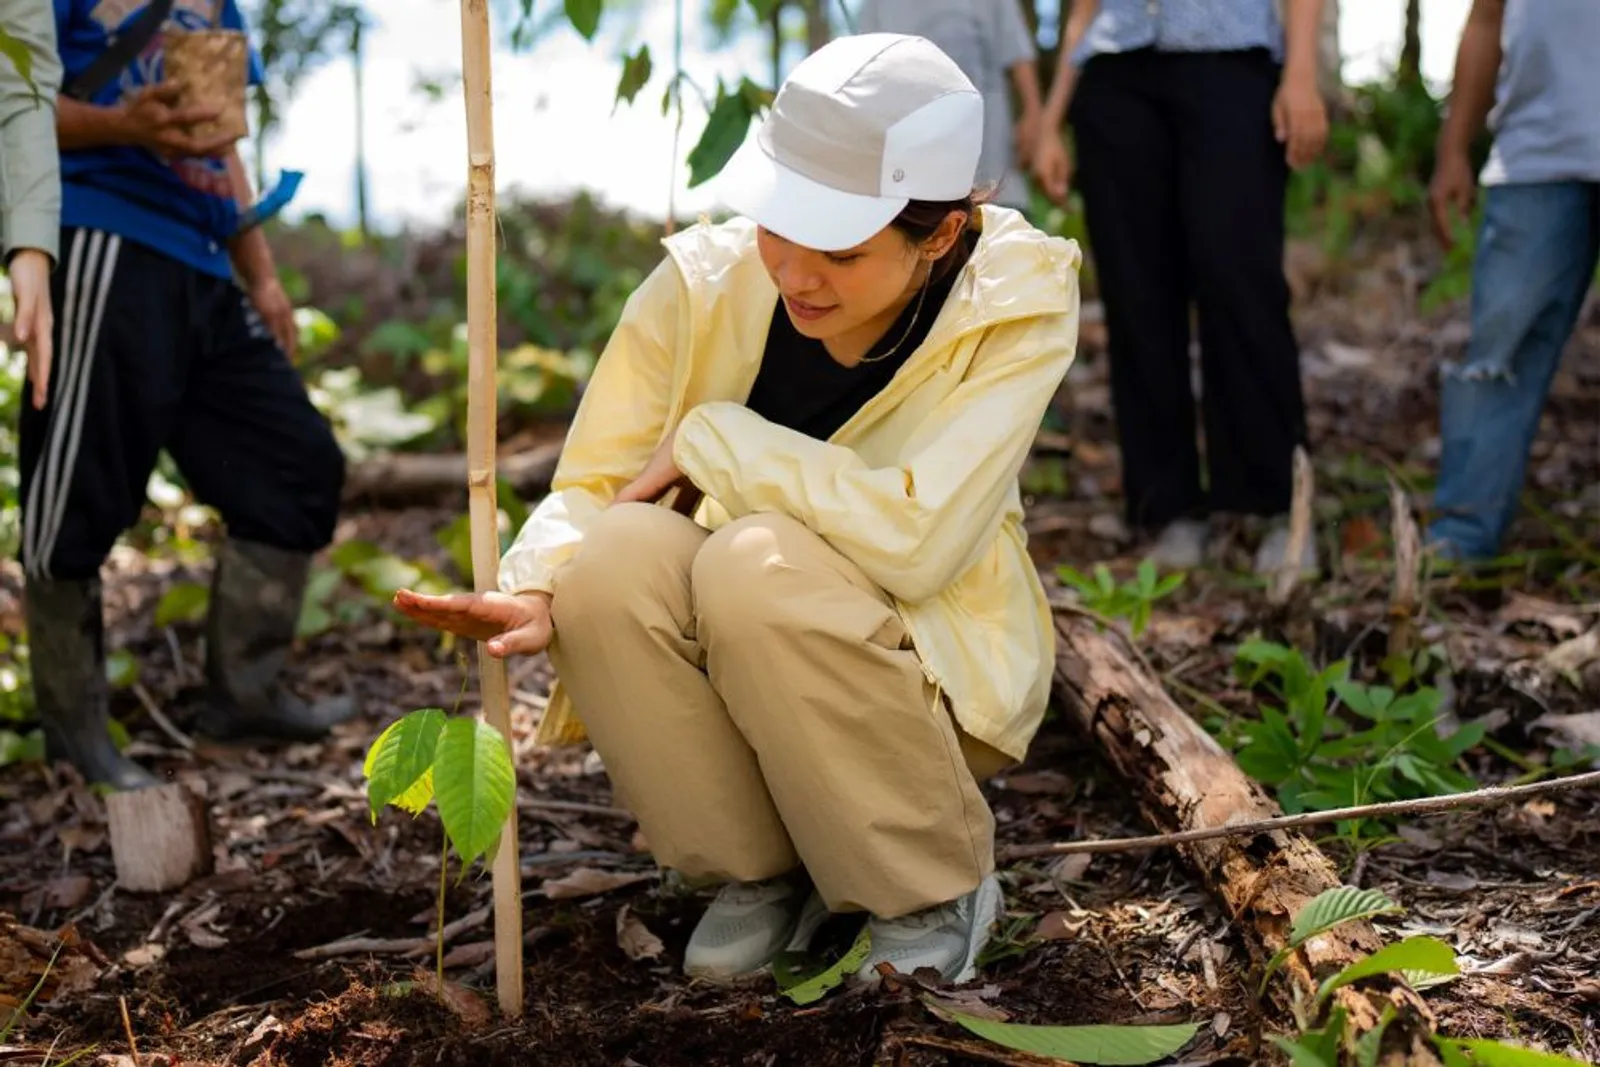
x=801 y=387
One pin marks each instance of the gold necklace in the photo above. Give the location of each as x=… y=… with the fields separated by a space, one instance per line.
x=921 y=295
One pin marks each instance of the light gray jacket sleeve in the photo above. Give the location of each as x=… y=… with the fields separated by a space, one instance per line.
x=30 y=163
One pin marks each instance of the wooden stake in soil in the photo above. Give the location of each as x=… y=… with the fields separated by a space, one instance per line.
x=160 y=837
x=482 y=350
x=1184 y=780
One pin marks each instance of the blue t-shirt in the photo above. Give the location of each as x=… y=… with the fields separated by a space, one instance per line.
x=183 y=208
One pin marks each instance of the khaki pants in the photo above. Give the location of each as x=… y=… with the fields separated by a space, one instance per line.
x=759 y=707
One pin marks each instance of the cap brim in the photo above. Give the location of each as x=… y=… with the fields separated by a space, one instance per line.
x=799 y=209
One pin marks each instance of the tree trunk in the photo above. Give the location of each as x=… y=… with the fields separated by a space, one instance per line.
x=819 y=30
x=1330 y=59
x=358 y=66
x=398 y=478
x=1409 y=71
x=1185 y=780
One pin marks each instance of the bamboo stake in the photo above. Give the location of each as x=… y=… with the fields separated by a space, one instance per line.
x=482 y=349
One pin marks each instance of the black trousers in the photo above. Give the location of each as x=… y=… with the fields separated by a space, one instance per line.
x=152 y=354
x=1183 y=186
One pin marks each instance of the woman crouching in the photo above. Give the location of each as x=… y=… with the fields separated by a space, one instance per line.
x=781 y=573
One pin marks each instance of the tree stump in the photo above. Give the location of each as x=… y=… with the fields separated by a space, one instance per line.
x=160 y=837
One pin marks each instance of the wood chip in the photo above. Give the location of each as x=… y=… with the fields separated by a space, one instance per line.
x=635 y=939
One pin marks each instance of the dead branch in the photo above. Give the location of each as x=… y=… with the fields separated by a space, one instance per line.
x=1290 y=570
x=1489 y=796
x=1407 y=573
x=1185 y=781
x=398 y=478
x=394 y=946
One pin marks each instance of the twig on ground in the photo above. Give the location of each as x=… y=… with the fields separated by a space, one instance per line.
x=127 y=1026
x=394 y=946
x=1422 y=806
x=576 y=808
x=159 y=717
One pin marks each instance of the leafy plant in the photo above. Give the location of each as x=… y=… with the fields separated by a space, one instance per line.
x=1329 y=741
x=462 y=765
x=1131 y=600
x=1420 y=961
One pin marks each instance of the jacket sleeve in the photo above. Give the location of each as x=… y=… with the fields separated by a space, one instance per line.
x=30 y=164
x=620 y=422
x=916 y=527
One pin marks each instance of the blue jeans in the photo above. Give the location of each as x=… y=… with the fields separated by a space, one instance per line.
x=1536 y=257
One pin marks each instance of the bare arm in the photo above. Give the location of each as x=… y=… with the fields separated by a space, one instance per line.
x=1025 y=79
x=251 y=255
x=1302 y=25
x=1454 y=187
x=1060 y=99
x=1477 y=68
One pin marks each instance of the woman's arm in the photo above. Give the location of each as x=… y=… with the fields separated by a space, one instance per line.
x=619 y=423
x=916 y=527
x=1060 y=98
x=30 y=163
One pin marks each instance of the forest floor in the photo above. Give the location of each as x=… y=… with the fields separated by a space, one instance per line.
x=227 y=970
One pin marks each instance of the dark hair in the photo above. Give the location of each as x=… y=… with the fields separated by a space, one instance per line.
x=921 y=219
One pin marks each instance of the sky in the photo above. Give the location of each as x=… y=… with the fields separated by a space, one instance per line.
x=555 y=127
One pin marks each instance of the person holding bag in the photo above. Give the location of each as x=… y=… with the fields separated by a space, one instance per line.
x=798 y=690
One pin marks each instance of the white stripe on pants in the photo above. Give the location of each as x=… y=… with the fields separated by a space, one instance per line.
x=91 y=266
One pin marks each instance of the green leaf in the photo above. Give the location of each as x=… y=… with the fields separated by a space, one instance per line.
x=724 y=133
x=764 y=8
x=1328 y=909
x=1426 y=954
x=184 y=602
x=475 y=784
x=1370 y=1044
x=1500 y=1054
x=808 y=990
x=1131 y=1045
x=1335 y=907
x=1304 y=1052
x=636 y=70
x=584 y=16
x=383 y=576
x=401 y=758
x=21 y=58
x=122 y=669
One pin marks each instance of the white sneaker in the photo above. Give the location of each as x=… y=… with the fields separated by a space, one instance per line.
x=749 y=923
x=1181 y=545
x=947 y=938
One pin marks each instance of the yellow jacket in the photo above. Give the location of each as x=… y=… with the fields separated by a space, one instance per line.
x=919 y=488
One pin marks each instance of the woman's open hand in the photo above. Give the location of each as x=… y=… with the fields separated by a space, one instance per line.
x=511 y=625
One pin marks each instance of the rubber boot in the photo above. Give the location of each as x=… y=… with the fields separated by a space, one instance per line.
x=66 y=654
x=256 y=593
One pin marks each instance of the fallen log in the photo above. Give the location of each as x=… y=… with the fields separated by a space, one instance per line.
x=1185 y=780
x=398 y=478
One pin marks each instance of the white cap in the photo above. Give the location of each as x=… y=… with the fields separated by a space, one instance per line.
x=864 y=125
